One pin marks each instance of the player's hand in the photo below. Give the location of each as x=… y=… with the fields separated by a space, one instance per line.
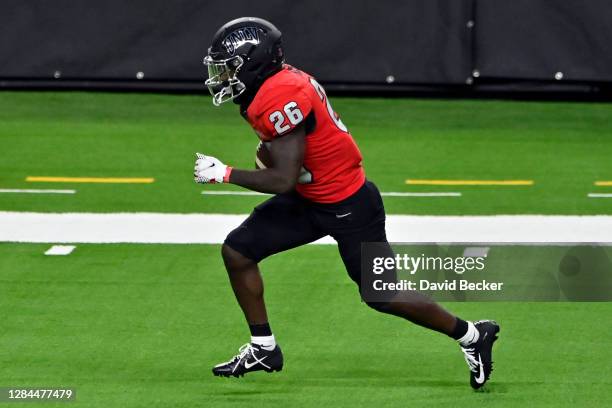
x=209 y=170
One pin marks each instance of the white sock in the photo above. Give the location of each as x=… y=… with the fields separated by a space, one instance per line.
x=471 y=336
x=266 y=342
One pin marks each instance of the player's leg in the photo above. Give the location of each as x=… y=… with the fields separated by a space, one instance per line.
x=247 y=284
x=276 y=225
x=366 y=223
x=475 y=338
x=410 y=305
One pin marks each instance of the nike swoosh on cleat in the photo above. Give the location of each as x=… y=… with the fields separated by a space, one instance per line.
x=481 y=377
x=247 y=365
x=343 y=215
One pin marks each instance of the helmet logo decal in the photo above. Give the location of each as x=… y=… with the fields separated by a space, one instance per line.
x=240 y=37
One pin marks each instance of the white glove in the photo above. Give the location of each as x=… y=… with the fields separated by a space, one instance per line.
x=209 y=169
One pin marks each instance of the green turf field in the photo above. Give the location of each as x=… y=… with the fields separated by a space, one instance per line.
x=563 y=147
x=141 y=325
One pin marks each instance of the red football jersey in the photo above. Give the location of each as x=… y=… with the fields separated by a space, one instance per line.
x=332 y=161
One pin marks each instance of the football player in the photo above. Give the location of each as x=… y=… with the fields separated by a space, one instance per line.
x=307 y=141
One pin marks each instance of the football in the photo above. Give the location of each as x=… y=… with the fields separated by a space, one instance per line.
x=263 y=160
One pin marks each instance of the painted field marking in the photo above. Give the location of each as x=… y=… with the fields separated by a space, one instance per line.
x=33 y=191
x=418 y=182
x=60 y=250
x=599 y=195
x=234 y=193
x=75 y=228
x=385 y=194
x=126 y=180
x=603 y=183
x=475 y=252
x=437 y=194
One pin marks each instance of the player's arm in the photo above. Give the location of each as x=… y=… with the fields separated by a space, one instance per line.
x=287 y=153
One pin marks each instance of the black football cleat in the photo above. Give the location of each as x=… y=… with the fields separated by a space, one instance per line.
x=479 y=355
x=251 y=357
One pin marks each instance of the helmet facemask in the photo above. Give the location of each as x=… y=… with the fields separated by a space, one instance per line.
x=223 y=82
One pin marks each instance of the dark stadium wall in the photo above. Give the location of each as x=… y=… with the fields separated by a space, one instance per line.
x=347 y=44
x=388 y=41
x=567 y=40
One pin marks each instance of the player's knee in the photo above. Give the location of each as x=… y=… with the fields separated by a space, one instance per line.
x=234 y=260
x=382 y=307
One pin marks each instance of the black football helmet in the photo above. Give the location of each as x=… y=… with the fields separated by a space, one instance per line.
x=244 y=52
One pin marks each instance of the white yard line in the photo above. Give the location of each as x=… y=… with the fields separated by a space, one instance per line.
x=212 y=228
x=36 y=191
x=60 y=250
x=437 y=194
x=385 y=194
x=599 y=195
x=233 y=193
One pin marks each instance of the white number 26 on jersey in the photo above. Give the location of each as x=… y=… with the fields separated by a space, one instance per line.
x=292 y=113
